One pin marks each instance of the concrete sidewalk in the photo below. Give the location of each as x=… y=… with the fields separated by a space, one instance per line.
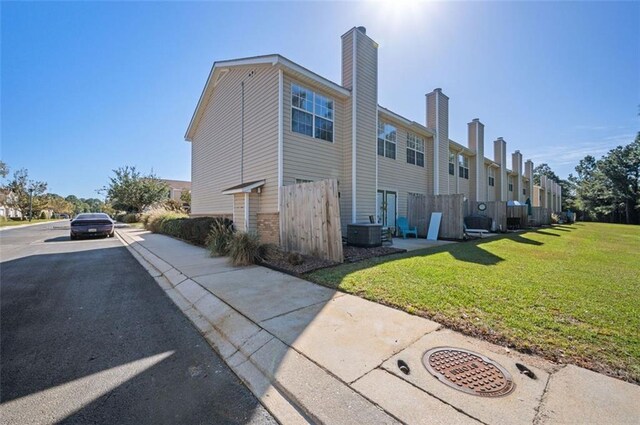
x=311 y=354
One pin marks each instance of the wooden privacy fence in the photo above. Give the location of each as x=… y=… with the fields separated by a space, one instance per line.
x=310 y=219
x=497 y=210
x=420 y=207
x=520 y=212
x=540 y=216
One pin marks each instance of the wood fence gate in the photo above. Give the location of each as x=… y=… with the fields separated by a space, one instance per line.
x=310 y=219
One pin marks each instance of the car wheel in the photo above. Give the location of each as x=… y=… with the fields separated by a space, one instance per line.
x=112 y=234
x=73 y=237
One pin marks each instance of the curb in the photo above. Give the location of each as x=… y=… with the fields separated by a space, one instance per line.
x=21 y=226
x=293 y=388
x=197 y=304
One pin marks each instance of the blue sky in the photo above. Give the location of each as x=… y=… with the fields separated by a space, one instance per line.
x=88 y=87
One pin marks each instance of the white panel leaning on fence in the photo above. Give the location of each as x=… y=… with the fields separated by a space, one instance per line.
x=310 y=219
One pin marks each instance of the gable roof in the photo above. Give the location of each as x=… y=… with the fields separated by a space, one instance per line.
x=274 y=60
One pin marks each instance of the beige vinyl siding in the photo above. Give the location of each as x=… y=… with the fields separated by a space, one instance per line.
x=471 y=182
x=444 y=143
x=452 y=179
x=463 y=184
x=216 y=147
x=398 y=175
x=306 y=157
x=366 y=128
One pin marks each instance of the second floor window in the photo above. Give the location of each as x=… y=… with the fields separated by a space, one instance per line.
x=415 y=150
x=311 y=113
x=387 y=140
x=452 y=163
x=510 y=184
x=492 y=177
x=463 y=163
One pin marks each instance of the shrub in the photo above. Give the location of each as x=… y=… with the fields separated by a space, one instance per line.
x=295 y=259
x=195 y=230
x=43 y=215
x=220 y=235
x=244 y=249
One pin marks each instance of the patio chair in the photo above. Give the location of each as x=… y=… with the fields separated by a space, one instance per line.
x=403 y=225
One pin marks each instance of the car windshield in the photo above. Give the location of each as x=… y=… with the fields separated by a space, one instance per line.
x=99 y=216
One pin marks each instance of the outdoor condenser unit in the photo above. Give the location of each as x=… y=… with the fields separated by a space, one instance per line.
x=364 y=234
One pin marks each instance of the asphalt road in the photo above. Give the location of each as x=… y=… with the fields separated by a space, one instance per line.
x=87 y=336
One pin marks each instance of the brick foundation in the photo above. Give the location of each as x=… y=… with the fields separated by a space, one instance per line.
x=269 y=227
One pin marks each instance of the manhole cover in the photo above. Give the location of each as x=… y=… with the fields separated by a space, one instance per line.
x=468 y=372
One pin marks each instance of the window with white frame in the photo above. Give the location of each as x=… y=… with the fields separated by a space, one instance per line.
x=415 y=150
x=311 y=113
x=452 y=163
x=300 y=181
x=463 y=164
x=492 y=176
x=387 y=140
x=510 y=184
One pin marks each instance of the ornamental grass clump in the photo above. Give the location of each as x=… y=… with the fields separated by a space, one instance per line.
x=219 y=237
x=245 y=249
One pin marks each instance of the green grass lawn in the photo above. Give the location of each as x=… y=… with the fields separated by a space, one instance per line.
x=20 y=223
x=570 y=293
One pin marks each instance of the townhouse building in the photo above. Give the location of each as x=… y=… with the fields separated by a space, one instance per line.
x=265 y=122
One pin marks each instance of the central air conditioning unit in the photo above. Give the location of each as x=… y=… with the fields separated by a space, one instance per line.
x=364 y=235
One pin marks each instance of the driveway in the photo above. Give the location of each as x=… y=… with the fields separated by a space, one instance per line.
x=87 y=336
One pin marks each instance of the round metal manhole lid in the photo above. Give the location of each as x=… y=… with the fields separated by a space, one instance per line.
x=468 y=372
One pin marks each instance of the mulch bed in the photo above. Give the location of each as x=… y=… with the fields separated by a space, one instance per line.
x=279 y=260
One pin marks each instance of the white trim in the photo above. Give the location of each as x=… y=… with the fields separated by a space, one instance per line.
x=244 y=189
x=261 y=60
x=436 y=149
x=313 y=113
x=246 y=212
x=412 y=124
x=280 y=133
x=354 y=111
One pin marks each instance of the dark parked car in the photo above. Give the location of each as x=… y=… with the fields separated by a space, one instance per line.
x=95 y=224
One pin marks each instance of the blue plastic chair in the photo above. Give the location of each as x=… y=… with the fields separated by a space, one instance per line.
x=403 y=225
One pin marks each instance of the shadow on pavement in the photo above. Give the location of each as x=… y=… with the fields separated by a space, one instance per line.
x=81 y=317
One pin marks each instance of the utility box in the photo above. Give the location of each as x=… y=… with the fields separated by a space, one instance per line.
x=364 y=235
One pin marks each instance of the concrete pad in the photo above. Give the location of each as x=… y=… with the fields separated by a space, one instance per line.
x=406 y=402
x=220 y=344
x=577 y=395
x=519 y=407
x=212 y=307
x=321 y=396
x=348 y=336
x=236 y=359
x=210 y=266
x=258 y=292
x=182 y=303
x=191 y=291
x=174 y=277
x=277 y=404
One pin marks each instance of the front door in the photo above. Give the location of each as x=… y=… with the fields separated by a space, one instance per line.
x=386 y=202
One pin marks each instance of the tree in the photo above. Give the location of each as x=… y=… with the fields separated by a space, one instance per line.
x=19 y=190
x=185 y=196
x=58 y=204
x=608 y=188
x=567 y=186
x=4 y=169
x=132 y=192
